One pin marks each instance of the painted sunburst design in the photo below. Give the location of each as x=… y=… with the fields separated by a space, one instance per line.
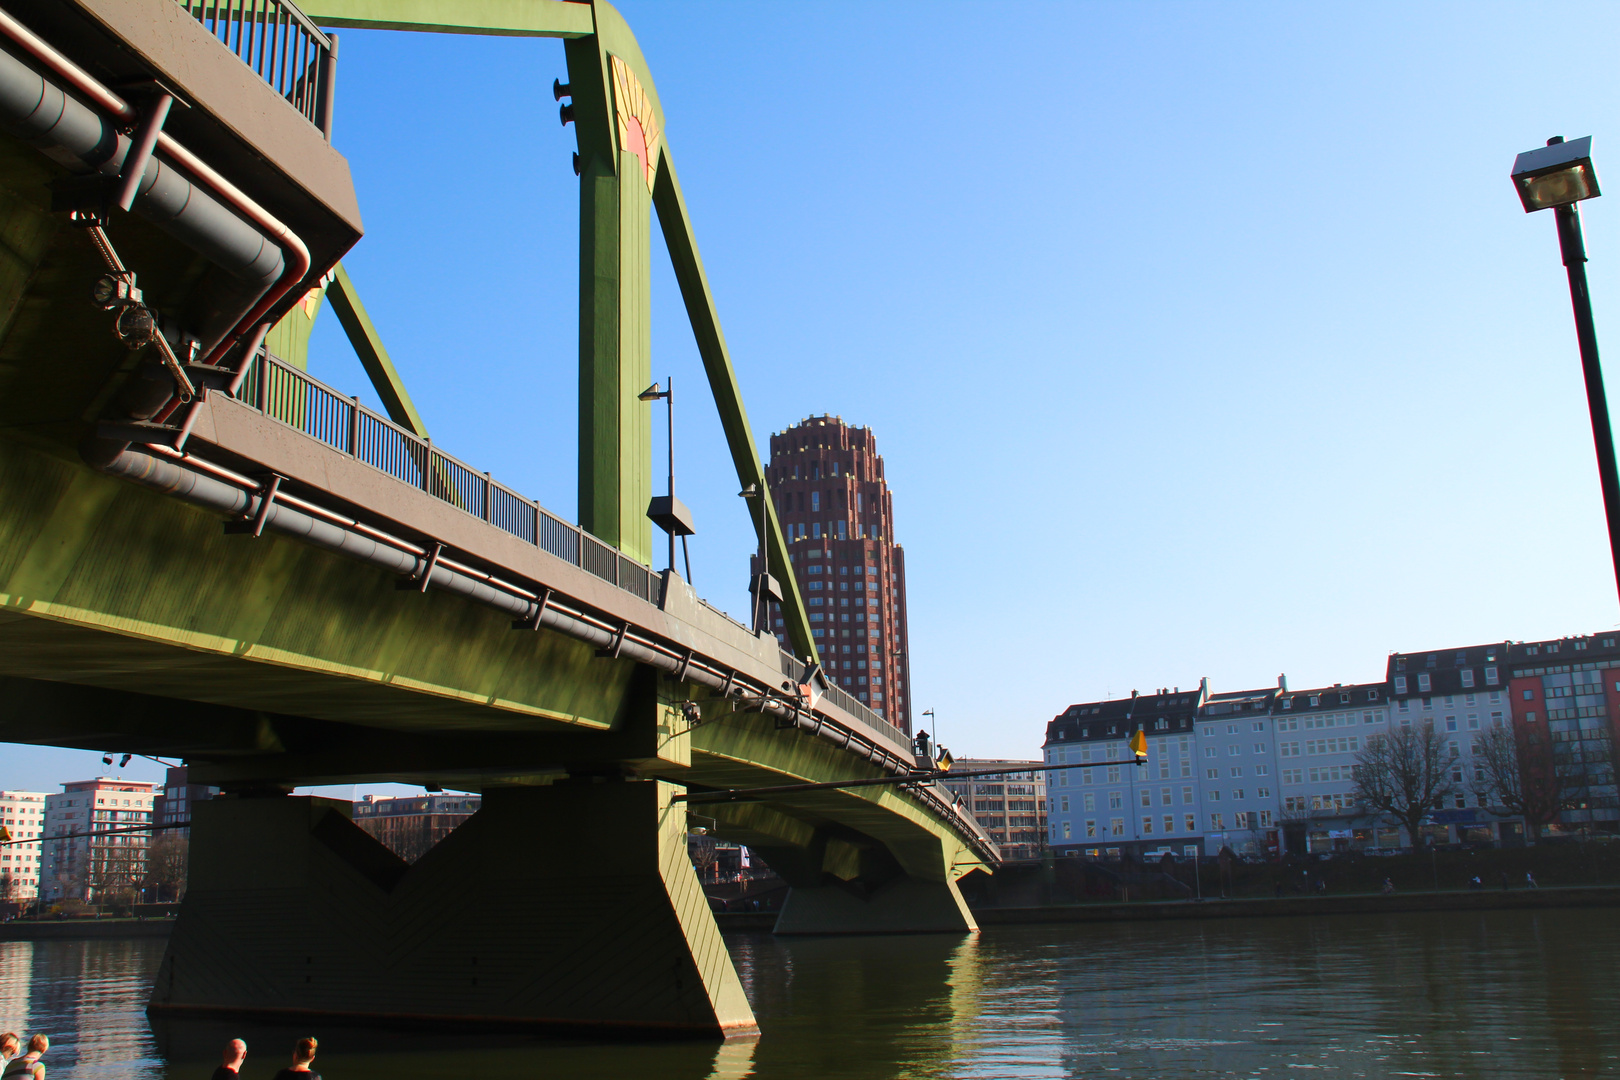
x=637 y=122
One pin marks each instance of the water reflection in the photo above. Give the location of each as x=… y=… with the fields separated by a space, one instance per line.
x=1492 y=994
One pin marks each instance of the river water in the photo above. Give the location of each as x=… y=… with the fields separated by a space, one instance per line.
x=1487 y=994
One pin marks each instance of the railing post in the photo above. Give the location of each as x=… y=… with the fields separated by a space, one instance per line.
x=264 y=381
x=354 y=428
x=486 y=496
x=536 y=509
x=427 y=464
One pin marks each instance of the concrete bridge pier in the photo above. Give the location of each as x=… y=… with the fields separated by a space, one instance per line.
x=840 y=885
x=570 y=906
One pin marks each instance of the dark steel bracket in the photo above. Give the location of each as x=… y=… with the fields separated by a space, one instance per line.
x=539 y=613
x=255 y=527
x=419 y=582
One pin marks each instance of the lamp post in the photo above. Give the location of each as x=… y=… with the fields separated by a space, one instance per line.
x=1558 y=176
x=666 y=511
x=763 y=587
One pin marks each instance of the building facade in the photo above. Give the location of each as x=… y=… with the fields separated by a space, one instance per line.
x=171 y=809
x=838 y=516
x=22 y=813
x=1463 y=693
x=96 y=836
x=1010 y=806
x=1564 y=698
x=1319 y=732
x=1237 y=757
x=410 y=826
x=1119 y=807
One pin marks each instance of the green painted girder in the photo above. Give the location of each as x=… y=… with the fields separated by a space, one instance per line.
x=615 y=363
x=368 y=346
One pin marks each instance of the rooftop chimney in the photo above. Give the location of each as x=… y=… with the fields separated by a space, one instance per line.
x=1282 y=683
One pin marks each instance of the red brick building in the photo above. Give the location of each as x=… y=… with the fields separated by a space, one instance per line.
x=838 y=514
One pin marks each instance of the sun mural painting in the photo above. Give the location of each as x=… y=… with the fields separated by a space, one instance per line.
x=637 y=122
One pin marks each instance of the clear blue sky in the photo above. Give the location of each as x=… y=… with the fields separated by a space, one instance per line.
x=1199 y=339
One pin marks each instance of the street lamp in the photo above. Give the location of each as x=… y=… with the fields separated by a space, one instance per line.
x=666 y=511
x=762 y=585
x=1559 y=175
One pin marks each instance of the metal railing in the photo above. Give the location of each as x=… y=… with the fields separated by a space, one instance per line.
x=278 y=42
x=283 y=392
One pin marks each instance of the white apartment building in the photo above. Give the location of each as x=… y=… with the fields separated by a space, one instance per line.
x=22 y=813
x=1120 y=807
x=1319 y=734
x=1237 y=762
x=87 y=854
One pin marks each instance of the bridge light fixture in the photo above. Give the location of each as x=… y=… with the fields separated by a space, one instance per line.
x=1558 y=174
x=123 y=762
x=106 y=759
x=135 y=326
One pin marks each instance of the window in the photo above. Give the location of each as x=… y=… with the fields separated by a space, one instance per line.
x=1451 y=723
x=1169 y=824
x=1259 y=725
x=1116 y=826
x=1468 y=677
x=1529 y=695
x=1259 y=747
x=1237 y=770
x=1490 y=676
x=1214 y=796
x=1115 y=800
x=1187 y=795
x=1240 y=820
x=1231 y=729
x=1529 y=717
x=1424 y=685
x=1113 y=774
x=1164 y=796
x=1262 y=793
x=1147 y=797
x=1233 y=751
x=1091 y=828
x=1216 y=822
x=1209 y=751
x=1090 y=802
x=1147 y=826
x=1212 y=774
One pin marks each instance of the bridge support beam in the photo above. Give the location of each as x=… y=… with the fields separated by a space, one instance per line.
x=572 y=906
x=845 y=883
x=904 y=905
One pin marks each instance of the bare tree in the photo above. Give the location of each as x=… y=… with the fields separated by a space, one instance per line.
x=704 y=855
x=166 y=867
x=1405 y=773
x=1525 y=775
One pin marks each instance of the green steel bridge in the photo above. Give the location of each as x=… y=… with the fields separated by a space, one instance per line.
x=206 y=553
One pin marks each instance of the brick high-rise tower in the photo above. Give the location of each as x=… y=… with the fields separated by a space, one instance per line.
x=838 y=515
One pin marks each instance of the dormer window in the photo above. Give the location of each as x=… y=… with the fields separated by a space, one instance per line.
x=1288 y=703
x=1431 y=661
x=1316 y=699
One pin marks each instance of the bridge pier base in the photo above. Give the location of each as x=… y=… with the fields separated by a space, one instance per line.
x=572 y=906
x=904 y=905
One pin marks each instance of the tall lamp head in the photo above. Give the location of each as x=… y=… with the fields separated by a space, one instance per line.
x=1557 y=174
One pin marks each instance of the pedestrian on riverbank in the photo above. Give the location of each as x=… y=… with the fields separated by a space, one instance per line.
x=1530 y=880
x=231 y=1065
x=1389 y=886
x=303 y=1058
x=28 y=1065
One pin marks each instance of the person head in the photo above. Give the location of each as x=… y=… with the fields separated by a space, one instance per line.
x=304 y=1051
x=38 y=1044
x=10 y=1044
x=235 y=1053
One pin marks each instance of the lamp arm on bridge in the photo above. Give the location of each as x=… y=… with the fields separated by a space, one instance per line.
x=676 y=225
x=921 y=776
